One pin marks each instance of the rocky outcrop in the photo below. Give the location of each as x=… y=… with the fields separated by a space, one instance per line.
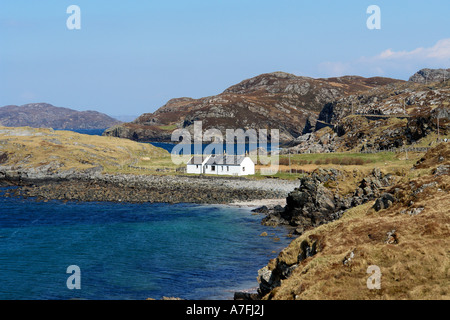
x=137 y=132
x=52 y=171
x=437 y=161
x=281 y=268
x=313 y=204
x=430 y=75
x=370 y=187
x=3 y=157
x=43 y=115
x=315 y=142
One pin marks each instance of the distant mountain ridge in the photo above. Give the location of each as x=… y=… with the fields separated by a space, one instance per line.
x=44 y=115
x=276 y=100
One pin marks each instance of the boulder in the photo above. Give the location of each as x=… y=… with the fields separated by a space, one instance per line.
x=384 y=202
x=266 y=280
x=442 y=170
x=246 y=296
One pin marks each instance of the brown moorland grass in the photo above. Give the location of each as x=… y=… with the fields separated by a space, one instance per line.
x=415 y=268
x=414 y=263
x=30 y=148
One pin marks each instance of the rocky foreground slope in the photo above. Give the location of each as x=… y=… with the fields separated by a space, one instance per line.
x=43 y=115
x=269 y=101
x=401 y=228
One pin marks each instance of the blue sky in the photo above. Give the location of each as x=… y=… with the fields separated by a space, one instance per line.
x=131 y=57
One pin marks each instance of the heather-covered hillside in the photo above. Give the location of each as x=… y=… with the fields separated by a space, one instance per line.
x=275 y=100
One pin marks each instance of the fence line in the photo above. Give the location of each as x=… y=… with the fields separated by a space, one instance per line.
x=397 y=150
x=179 y=169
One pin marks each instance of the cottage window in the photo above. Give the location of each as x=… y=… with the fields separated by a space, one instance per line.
x=243 y=168
x=213 y=168
x=197 y=167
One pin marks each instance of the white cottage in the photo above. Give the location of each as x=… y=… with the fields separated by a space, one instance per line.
x=221 y=165
x=196 y=164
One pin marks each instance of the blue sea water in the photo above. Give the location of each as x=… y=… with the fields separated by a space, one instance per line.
x=91 y=132
x=130 y=251
x=212 y=148
x=169 y=146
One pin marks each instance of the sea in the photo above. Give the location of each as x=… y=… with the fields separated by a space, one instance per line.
x=125 y=251
x=210 y=147
x=131 y=251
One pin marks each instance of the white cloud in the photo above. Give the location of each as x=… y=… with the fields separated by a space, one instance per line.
x=440 y=51
x=389 y=61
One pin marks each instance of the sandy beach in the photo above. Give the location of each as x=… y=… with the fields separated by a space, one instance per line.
x=260 y=203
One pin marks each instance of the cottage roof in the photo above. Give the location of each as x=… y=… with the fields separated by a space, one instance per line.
x=197 y=159
x=231 y=160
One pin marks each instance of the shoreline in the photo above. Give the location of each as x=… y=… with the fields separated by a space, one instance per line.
x=259 y=203
x=152 y=188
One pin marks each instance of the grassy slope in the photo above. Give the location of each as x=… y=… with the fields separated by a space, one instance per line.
x=417 y=267
x=28 y=147
x=388 y=161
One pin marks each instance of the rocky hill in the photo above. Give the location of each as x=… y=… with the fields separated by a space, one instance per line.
x=43 y=115
x=275 y=100
x=382 y=118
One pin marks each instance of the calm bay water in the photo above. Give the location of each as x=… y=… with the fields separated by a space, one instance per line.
x=130 y=251
x=211 y=148
x=238 y=149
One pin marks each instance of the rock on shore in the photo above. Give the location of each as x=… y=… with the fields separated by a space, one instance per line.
x=139 y=189
x=312 y=203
